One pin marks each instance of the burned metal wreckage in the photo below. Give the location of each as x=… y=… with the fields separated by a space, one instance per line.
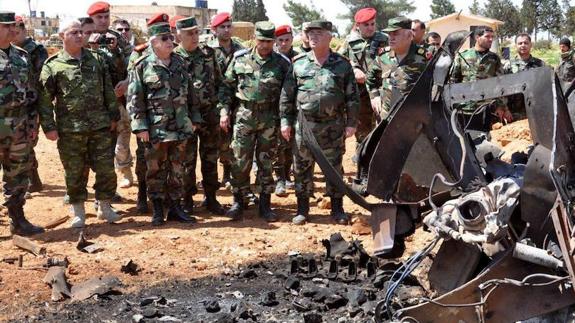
x=505 y=235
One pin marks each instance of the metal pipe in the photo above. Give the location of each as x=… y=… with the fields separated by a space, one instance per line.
x=536 y=256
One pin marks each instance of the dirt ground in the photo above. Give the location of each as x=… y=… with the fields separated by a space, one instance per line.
x=514 y=137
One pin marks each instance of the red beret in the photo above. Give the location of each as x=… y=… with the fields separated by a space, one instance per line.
x=98 y=7
x=365 y=15
x=160 y=17
x=174 y=19
x=220 y=18
x=18 y=19
x=282 y=30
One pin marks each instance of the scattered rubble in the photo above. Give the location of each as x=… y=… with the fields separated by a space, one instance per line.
x=28 y=245
x=87 y=246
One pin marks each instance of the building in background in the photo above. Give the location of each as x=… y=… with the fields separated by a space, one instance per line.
x=41 y=27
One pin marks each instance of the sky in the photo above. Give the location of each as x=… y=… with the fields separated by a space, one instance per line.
x=275 y=12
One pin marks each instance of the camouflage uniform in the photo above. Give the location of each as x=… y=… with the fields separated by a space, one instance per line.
x=566 y=69
x=516 y=103
x=205 y=76
x=84 y=106
x=159 y=101
x=387 y=76
x=329 y=98
x=257 y=83
x=362 y=53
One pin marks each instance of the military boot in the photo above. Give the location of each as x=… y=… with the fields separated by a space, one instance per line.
x=35 y=182
x=213 y=205
x=142 y=203
x=158 y=212
x=236 y=211
x=106 y=212
x=19 y=224
x=177 y=213
x=337 y=212
x=280 y=183
x=265 y=209
x=226 y=182
x=302 y=210
x=79 y=213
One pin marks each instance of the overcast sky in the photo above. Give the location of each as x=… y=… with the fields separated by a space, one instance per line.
x=331 y=8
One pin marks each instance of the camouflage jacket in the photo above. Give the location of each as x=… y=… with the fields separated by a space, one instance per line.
x=359 y=50
x=18 y=97
x=566 y=69
x=38 y=55
x=139 y=51
x=252 y=78
x=225 y=58
x=205 y=75
x=323 y=92
x=78 y=92
x=517 y=65
x=116 y=63
x=301 y=50
x=390 y=79
x=160 y=99
x=471 y=65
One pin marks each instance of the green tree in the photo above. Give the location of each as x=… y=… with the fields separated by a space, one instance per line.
x=569 y=24
x=475 y=8
x=550 y=18
x=440 y=8
x=299 y=12
x=386 y=9
x=506 y=11
x=530 y=16
x=249 y=10
x=260 y=12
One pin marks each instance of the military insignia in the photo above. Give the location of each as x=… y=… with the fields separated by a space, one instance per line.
x=421 y=51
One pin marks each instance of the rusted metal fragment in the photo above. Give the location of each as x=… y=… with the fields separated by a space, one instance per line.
x=95 y=286
x=57 y=222
x=56 y=278
x=87 y=246
x=28 y=245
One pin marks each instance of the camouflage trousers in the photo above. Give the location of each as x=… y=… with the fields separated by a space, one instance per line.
x=80 y=151
x=141 y=167
x=208 y=136
x=32 y=158
x=365 y=118
x=165 y=170
x=123 y=157
x=15 y=150
x=284 y=157
x=255 y=130
x=330 y=136
x=225 y=152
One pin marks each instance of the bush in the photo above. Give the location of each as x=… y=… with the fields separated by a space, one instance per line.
x=542 y=44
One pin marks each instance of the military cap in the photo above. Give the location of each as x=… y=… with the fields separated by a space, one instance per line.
x=398 y=23
x=187 y=23
x=7 y=17
x=365 y=15
x=160 y=17
x=98 y=7
x=220 y=18
x=265 y=30
x=159 y=29
x=319 y=24
x=174 y=19
x=565 y=41
x=282 y=30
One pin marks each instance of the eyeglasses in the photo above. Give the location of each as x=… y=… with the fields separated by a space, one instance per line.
x=123 y=29
x=166 y=37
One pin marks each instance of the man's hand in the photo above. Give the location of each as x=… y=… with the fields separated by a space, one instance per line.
x=349 y=131
x=504 y=114
x=113 y=126
x=144 y=136
x=359 y=75
x=121 y=88
x=52 y=135
x=225 y=123
x=286 y=132
x=376 y=104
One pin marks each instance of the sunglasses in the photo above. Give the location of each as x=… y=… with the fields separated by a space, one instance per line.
x=167 y=37
x=122 y=29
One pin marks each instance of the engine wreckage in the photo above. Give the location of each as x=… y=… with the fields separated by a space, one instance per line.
x=505 y=237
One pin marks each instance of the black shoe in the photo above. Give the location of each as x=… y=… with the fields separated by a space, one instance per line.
x=213 y=205
x=302 y=210
x=204 y=202
x=117 y=198
x=142 y=203
x=19 y=224
x=35 y=182
x=265 y=209
x=176 y=213
x=158 y=212
x=337 y=212
x=236 y=211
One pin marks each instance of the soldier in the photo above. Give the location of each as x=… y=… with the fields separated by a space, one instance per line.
x=38 y=55
x=160 y=97
x=88 y=28
x=18 y=110
x=205 y=75
x=418 y=29
x=255 y=76
x=122 y=26
x=397 y=68
x=225 y=47
x=479 y=63
x=321 y=84
x=433 y=41
x=304 y=47
x=284 y=160
x=100 y=13
x=566 y=69
x=77 y=89
x=173 y=29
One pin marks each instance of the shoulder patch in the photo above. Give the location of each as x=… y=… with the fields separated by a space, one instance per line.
x=241 y=52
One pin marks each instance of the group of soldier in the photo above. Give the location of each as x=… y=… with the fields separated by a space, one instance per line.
x=239 y=105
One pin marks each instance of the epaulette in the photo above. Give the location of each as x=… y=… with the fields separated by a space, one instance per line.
x=241 y=52
x=139 y=60
x=51 y=57
x=142 y=47
x=298 y=56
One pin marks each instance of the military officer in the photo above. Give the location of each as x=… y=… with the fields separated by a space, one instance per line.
x=78 y=91
x=255 y=76
x=205 y=76
x=160 y=97
x=321 y=84
x=566 y=69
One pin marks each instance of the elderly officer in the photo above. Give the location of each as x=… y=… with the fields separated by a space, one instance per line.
x=255 y=76
x=160 y=100
x=205 y=75
x=77 y=89
x=18 y=117
x=322 y=86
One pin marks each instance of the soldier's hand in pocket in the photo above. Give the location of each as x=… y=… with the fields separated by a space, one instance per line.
x=225 y=123
x=52 y=135
x=144 y=136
